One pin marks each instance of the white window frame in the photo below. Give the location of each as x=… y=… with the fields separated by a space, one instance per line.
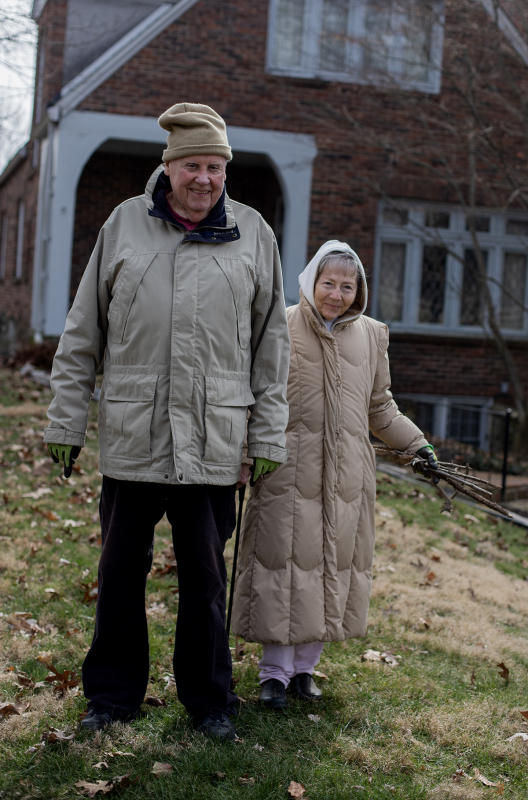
x=309 y=67
x=414 y=235
x=443 y=404
x=19 y=263
x=3 y=246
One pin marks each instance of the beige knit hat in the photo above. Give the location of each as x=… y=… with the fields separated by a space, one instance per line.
x=194 y=129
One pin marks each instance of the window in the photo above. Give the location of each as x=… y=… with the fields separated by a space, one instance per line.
x=430 y=275
x=463 y=425
x=432 y=285
x=3 y=247
x=463 y=419
x=385 y=42
x=471 y=305
x=19 y=263
x=513 y=287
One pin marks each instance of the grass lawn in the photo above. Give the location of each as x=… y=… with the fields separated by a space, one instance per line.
x=424 y=707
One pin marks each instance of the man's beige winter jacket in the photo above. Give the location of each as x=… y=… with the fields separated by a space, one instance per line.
x=174 y=318
x=307 y=544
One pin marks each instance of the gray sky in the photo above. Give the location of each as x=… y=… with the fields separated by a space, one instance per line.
x=17 y=70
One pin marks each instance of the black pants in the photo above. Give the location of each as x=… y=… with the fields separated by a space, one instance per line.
x=115 y=671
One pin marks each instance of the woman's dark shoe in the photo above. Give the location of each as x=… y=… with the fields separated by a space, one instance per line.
x=304 y=686
x=273 y=694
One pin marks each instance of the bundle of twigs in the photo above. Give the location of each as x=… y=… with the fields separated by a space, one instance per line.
x=459 y=476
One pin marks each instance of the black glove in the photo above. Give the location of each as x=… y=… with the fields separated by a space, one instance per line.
x=429 y=462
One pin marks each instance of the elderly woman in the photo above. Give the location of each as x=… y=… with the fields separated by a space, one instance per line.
x=307 y=545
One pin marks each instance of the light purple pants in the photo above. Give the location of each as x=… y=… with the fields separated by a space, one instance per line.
x=284 y=661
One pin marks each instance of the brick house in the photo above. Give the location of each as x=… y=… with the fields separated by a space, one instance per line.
x=396 y=126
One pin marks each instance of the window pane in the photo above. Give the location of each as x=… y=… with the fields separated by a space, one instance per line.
x=420 y=411
x=517 y=227
x=333 y=46
x=395 y=216
x=398 y=38
x=481 y=224
x=424 y=417
x=287 y=34
x=437 y=219
x=471 y=306
x=392 y=273
x=416 y=42
x=513 y=290
x=463 y=425
x=432 y=288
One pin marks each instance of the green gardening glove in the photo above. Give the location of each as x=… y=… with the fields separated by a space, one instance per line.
x=430 y=462
x=263 y=466
x=64 y=454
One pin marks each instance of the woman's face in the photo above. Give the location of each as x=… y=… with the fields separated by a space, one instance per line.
x=335 y=290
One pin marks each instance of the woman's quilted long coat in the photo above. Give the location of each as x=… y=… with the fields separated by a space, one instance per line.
x=307 y=543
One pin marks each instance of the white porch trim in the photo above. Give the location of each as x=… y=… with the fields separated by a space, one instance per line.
x=72 y=142
x=87 y=81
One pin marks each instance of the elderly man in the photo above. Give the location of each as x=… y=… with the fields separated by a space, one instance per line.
x=181 y=304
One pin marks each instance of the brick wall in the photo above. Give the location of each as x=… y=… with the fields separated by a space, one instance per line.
x=429 y=365
x=15 y=292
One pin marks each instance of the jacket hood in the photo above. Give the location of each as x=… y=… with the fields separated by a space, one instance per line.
x=309 y=274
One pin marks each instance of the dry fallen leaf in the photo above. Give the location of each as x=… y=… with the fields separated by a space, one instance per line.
x=38 y=493
x=371 y=655
x=93 y=789
x=482 y=779
x=390 y=659
x=524 y=713
x=35 y=747
x=246 y=780
x=314 y=717
x=523 y=736
x=161 y=768
x=429 y=579
x=54 y=735
x=504 y=672
x=9 y=709
x=296 y=790
x=151 y=700
x=90 y=592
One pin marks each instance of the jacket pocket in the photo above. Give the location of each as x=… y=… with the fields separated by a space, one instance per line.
x=236 y=273
x=226 y=405
x=124 y=293
x=127 y=416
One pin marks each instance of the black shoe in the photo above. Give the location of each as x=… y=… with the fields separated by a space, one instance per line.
x=217 y=725
x=273 y=694
x=97 y=719
x=303 y=686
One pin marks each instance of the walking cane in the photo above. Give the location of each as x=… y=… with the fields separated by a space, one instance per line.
x=241 y=493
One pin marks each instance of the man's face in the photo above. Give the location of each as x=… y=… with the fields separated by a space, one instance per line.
x=197 y=183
